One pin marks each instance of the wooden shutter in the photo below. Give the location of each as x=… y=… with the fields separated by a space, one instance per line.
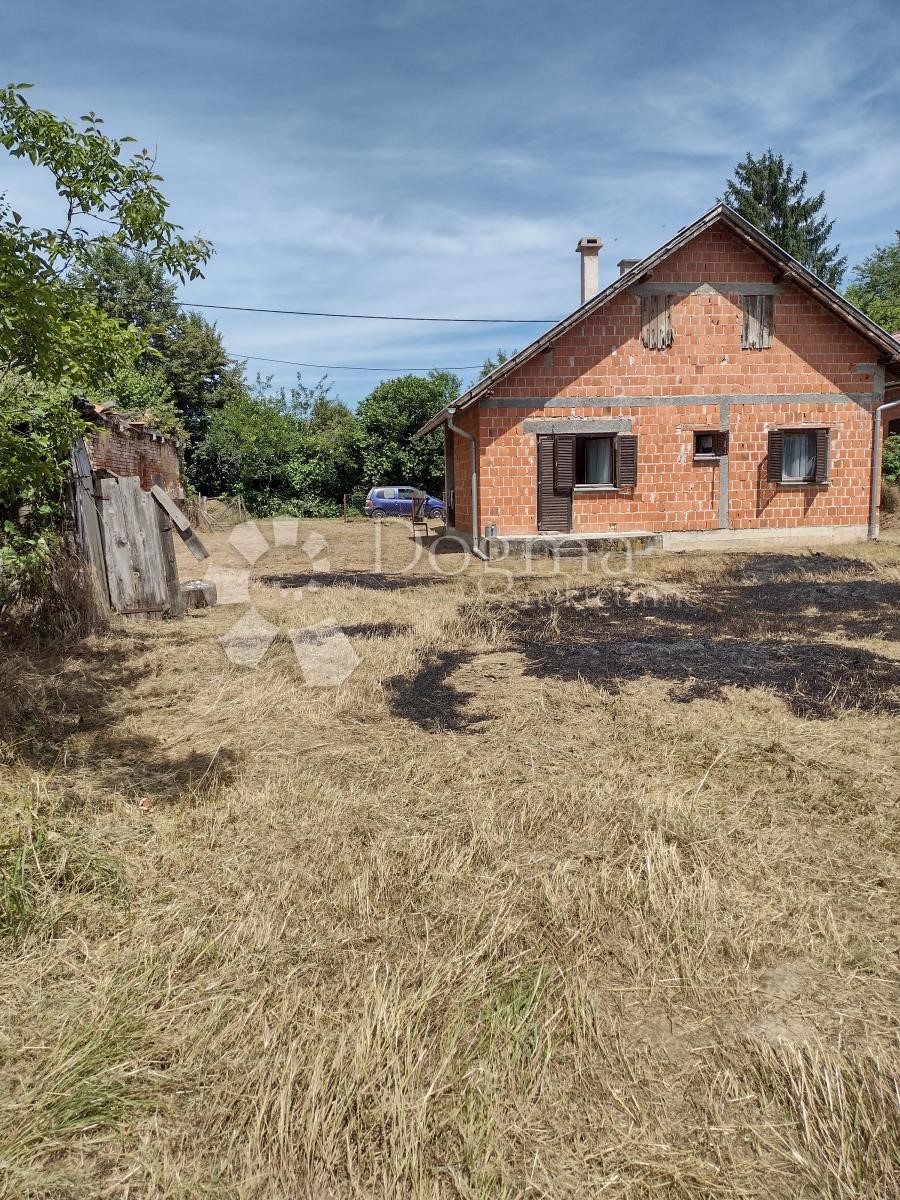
x=656 y=321
x=776 y=456
x=626 y=460
x=554 y=508
x=720 y=443
x=758 y=321
x=822 y=439
x=564 y=462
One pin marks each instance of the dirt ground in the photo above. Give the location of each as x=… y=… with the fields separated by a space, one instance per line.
x=393 y=875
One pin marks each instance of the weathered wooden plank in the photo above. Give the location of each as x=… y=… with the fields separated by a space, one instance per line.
x=86 y=517
x=177 y=600
x=180 y=522
x=119 y=575
x=137 y=571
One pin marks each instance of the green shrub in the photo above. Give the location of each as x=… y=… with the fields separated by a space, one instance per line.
x=890 y=458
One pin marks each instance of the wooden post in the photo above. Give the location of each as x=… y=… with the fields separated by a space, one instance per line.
x=169 y=559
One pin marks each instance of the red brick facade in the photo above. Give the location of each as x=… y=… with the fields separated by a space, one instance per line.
x=818 y=372
x=127 y=449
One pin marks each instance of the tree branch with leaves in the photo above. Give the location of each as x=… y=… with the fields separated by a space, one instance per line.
x=55 y=342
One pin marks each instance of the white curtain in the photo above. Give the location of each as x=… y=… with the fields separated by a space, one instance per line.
x=598 y=460
x=799 y=456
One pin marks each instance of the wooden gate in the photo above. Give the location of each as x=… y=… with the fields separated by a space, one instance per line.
x=140 y=556
x=126 y=536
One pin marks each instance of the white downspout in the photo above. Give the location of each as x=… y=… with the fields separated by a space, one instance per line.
x=876 y=467
x=473 y=453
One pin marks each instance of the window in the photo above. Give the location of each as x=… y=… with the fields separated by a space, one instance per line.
x=799 y=463
x=710 y=443
x=656 y=321
x=406 y=492
x=599 y=461
x=758 y=313
x=388 y=494
x=594 y=462
x=798 y=455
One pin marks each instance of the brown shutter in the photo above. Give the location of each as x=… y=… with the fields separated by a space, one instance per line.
x=776 y=456
x=822 y=455
x=758 y=321
x=720 y=443
x=554 y=508
x=626 y=460
x=564 y=462
x=656 y=321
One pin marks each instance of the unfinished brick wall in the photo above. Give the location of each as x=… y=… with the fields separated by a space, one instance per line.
x=135 y=451
x=462 y=469
x=594 y=370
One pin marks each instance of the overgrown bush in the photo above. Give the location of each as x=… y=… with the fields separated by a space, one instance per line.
x=890 y=458
x=890 y=497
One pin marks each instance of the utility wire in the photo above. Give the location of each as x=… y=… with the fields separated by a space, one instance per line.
x=293 y=312
x=289 y=362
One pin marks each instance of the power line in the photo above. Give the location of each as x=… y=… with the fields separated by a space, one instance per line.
x=289 y=362
x=293 y=312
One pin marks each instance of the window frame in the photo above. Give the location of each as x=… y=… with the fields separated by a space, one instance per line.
x=719 y=445
x=810 y=436
x=580 y=439
x=757 y=321
x=822 y=450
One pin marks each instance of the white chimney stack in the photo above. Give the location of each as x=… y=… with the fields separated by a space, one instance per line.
x=589 y=248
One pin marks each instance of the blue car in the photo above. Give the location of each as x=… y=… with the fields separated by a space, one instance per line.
x=398 y=502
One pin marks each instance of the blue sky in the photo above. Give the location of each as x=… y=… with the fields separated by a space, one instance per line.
x=442 y=157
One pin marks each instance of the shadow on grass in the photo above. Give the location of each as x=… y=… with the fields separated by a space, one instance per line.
x=371 y=580
x=771 y=635
x=69 y=706
x=430 y=699
x=776 y=623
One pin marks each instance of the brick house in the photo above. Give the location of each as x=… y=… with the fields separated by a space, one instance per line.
x=716 y=392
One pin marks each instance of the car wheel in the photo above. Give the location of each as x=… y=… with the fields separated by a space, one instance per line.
x=435 y=514
x=378 y=514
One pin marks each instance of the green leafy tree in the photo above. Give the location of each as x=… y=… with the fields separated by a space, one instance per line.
x=199 y=372
x=294 y=452
x=142 y=395
x=890 y=458
x=875 y=287
x=184 y=347
x=766 y=192
x=389 y=417
x=491 y=364
x=54 y=341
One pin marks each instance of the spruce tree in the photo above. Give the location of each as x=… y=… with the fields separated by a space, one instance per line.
x=765 y=191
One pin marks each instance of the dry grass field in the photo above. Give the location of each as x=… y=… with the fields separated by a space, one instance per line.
x=579 y=885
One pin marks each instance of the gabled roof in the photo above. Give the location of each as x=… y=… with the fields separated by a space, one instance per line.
x=787 y=267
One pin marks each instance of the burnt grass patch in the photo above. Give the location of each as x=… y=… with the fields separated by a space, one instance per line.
x=772 y=635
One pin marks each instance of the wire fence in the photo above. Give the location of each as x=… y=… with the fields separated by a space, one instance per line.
x=354 y=505
x=215 y=512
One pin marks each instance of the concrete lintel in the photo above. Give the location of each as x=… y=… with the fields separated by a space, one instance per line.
x=864 y=399
x=583 y=425
x=686 y=288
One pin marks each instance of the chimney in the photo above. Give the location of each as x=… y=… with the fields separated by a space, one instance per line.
x=589 y=249
x=625 y=264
